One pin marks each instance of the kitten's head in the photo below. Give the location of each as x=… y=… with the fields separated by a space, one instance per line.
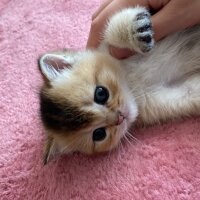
x=85 y=103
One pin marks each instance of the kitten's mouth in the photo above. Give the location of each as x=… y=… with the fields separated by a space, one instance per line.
x=121 y=118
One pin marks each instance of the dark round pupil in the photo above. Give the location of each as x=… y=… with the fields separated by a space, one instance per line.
x=101 y=95
x=99 y=134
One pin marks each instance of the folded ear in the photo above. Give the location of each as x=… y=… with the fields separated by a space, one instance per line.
x=50 y=150
x=51 y=65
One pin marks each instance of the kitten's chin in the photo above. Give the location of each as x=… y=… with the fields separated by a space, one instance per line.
x=131 y=112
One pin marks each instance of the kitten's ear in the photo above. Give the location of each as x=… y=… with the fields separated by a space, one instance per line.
x=51 y=65
x=50 y=150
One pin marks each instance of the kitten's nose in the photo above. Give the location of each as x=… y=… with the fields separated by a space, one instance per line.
x=120 y=118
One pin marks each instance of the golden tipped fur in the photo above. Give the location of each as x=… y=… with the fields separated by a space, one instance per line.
x=91 y=69
x=161 y=85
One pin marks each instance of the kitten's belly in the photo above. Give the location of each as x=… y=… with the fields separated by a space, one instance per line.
x=144 y=76
x=152 y=71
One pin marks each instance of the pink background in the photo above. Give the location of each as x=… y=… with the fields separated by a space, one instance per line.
x=164 y=164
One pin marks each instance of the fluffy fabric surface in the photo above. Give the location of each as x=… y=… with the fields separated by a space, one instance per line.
x=162 y=164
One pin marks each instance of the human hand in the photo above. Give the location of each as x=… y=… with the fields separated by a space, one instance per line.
x=169 y=16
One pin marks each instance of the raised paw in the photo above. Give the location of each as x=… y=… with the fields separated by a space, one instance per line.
x=130 y=28
x=142 y=33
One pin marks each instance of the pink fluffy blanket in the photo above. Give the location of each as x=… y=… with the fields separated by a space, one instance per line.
x=163 y=164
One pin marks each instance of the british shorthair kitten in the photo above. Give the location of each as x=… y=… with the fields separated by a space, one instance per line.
x=90 y=99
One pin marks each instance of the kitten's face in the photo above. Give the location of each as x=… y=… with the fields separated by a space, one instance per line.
x=86 y=105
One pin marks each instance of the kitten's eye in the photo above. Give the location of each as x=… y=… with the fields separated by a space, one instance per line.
x=101 y=95
x=99 y=134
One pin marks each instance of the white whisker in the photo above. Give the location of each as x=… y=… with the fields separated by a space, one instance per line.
x=127 y=139
x=132 y=137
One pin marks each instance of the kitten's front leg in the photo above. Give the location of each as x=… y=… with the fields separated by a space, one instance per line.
x=131 y=28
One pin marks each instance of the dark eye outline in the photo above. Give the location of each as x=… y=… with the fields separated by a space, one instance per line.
x=106 y=93
x=99 y=135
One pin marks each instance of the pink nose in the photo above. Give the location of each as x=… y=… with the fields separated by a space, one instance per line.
x=120 y=119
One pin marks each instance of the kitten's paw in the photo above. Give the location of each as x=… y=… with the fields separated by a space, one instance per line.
x=141 y=36
x=131 y=28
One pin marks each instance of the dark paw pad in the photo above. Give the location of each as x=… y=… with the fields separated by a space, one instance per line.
x=144 y=28
x=146 y=38
x=142 y=31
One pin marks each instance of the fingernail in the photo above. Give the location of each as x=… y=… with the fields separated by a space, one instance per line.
x=120 y=53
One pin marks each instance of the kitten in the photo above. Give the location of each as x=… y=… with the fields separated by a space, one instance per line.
x=90 y=99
